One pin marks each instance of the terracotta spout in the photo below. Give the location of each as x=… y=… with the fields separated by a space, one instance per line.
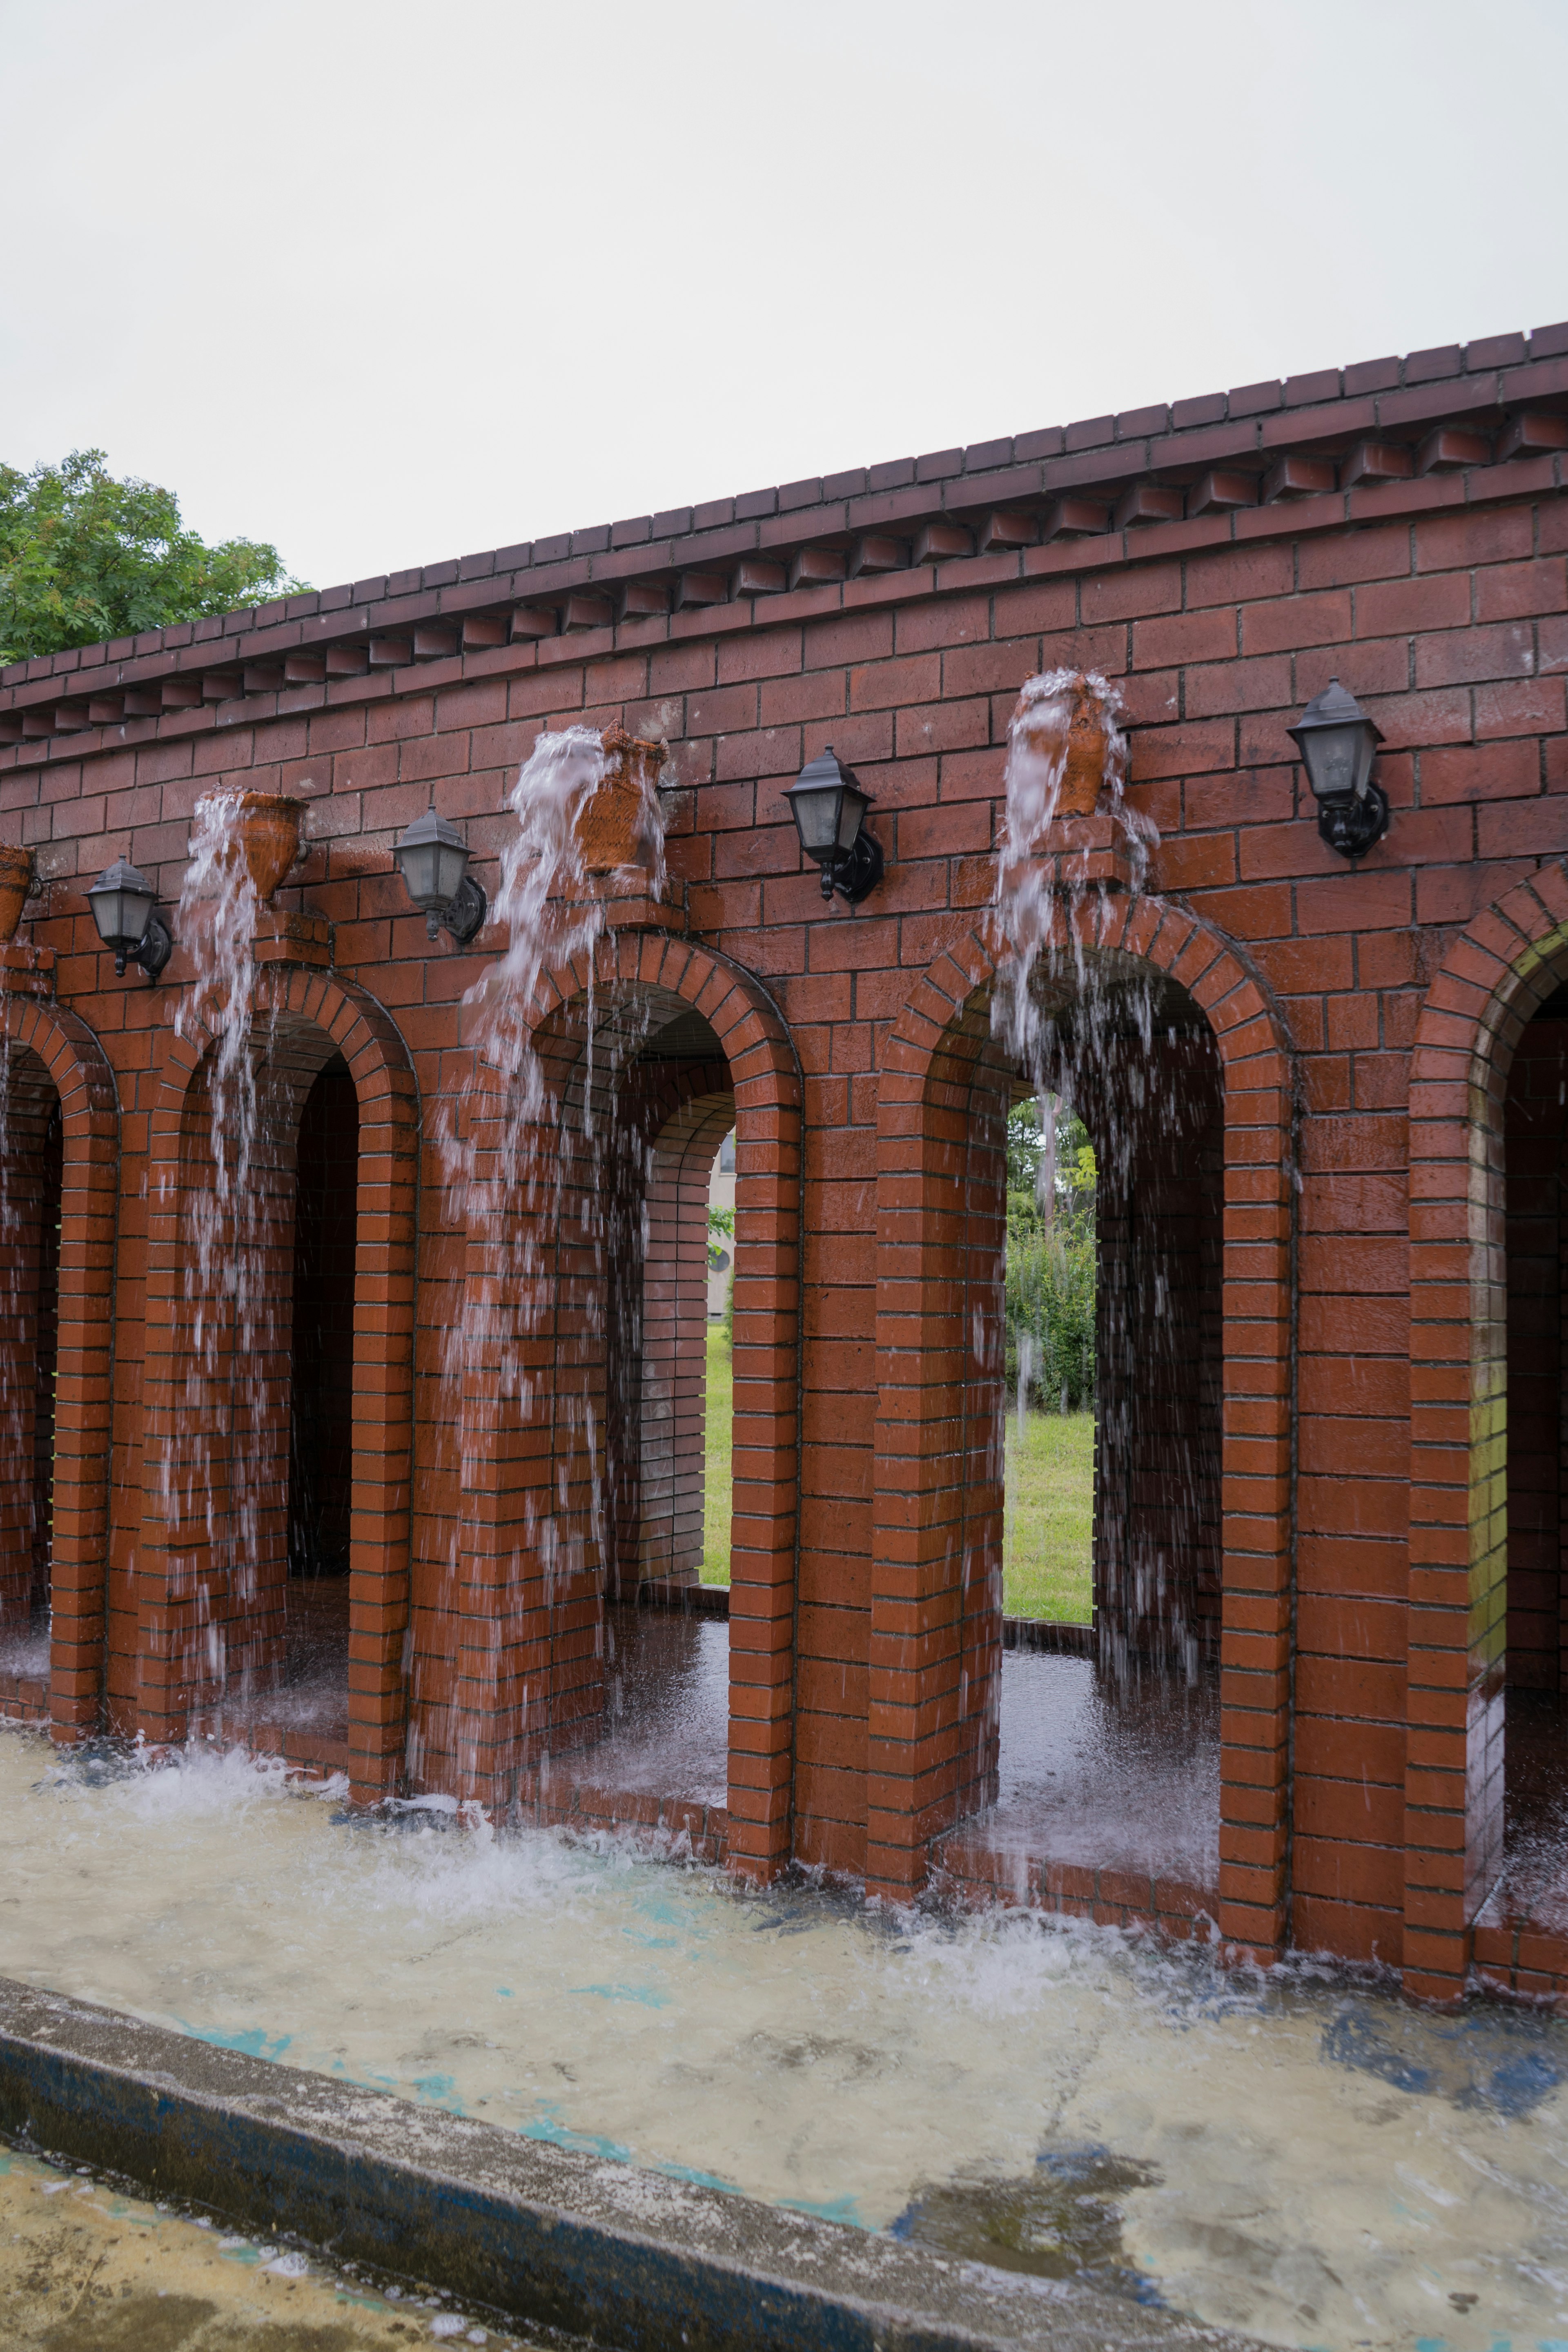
x=16 y=881
x=1066 y=723
x=268 y=827
x=613 y=827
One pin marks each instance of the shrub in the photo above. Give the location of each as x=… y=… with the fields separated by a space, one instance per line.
x=1050 y=1314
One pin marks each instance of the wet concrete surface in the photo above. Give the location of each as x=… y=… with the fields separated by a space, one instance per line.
x=667 y=1708
x=86 y=2267
x=558 y=2238
x=1534 y=1882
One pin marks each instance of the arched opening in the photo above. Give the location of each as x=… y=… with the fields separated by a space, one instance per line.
x=1486 y=1793
x=637 y=1680
x=1169 y=1053
x=667 y=1627
x=320 y=1401
x=1102 y=1560
x=258 y=1462
x=280 y=1245
x=1522 y=1733
x=31 y=1170
x=599 y=1677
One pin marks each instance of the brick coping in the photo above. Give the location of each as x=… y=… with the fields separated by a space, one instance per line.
x=967 y=1871
x=747 y=549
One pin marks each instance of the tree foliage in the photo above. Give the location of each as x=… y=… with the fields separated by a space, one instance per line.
x=84 y=557
x=1050 y=1270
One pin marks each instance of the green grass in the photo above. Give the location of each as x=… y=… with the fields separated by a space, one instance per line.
x=716 y=1482
x=1050 y=1517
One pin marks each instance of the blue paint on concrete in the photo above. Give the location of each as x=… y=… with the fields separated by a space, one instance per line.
x=254 y=2042
x=645 y=1994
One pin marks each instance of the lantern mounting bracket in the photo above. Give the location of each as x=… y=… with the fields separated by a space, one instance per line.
x=855 y=872
x=1351 y=825
x=462 y=916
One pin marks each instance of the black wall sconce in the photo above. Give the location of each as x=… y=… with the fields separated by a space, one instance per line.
x=432 y=859
x=123 y=903
x=829 y=811
x=1338 y=743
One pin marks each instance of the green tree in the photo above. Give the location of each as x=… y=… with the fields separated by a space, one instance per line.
x=84 y=557
x=1050 y=1265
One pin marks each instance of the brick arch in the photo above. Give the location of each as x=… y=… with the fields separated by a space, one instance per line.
x=937 y=1048
x=1495 y=976
x=507 y=1500
x=65 y=1050
x=309 y=1018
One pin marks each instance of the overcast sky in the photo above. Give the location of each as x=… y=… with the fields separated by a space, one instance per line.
x=385 y=283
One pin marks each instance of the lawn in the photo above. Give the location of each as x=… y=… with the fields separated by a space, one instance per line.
x=1049 y=1525
x=1050 y=1500
x=721 y=1406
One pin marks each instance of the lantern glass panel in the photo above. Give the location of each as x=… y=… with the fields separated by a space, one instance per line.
x=121 y=914
x=451 y=863
x=816 y=816
x=417 y=864
x=1339 y=759
x=852 y=807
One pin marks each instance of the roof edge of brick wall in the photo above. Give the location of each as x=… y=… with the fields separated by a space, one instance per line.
x=1128 y=463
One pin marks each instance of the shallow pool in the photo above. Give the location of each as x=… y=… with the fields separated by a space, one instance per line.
x=1319 y=2164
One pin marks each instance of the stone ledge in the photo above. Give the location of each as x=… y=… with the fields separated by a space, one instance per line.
x=293 y=939
x=628 y=903
x=541 y=2233
x=26 y=970
x=1081 y=853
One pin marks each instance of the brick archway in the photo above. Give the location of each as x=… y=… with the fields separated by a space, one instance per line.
x=63 y=1049
x=923 y=1115
x=309 y=1018
x=1495 y=975
x=506 y=1455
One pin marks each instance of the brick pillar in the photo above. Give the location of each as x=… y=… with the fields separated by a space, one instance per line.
x=493 y=1717
x=936 y=1642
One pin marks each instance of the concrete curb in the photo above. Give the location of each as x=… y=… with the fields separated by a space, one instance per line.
x=544 y=2234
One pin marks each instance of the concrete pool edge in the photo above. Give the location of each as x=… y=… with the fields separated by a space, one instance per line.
x=544 y=2234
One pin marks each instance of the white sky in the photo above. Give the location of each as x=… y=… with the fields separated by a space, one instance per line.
x=385 y=283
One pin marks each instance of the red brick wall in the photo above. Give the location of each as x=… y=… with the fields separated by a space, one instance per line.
x=1350 y=1498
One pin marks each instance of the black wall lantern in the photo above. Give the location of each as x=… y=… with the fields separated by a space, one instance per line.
x=432 y=859
x=123 y=903
x=1338 y=743
x=829 y=811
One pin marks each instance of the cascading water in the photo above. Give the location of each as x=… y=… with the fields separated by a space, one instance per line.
x=532 y=1159
x=30 y=1143
x=1096 y=1033
x=212 y=1478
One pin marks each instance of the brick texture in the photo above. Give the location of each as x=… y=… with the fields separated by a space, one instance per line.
x=1358 y=1236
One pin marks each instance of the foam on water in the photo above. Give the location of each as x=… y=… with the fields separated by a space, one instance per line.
x=1318 y=2164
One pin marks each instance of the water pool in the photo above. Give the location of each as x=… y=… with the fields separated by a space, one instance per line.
x=1317 y=2164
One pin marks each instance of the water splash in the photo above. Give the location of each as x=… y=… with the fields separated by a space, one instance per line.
x=535 y=1162
x=210 y=1473
x=1094 y=1030
x=30 y=1171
